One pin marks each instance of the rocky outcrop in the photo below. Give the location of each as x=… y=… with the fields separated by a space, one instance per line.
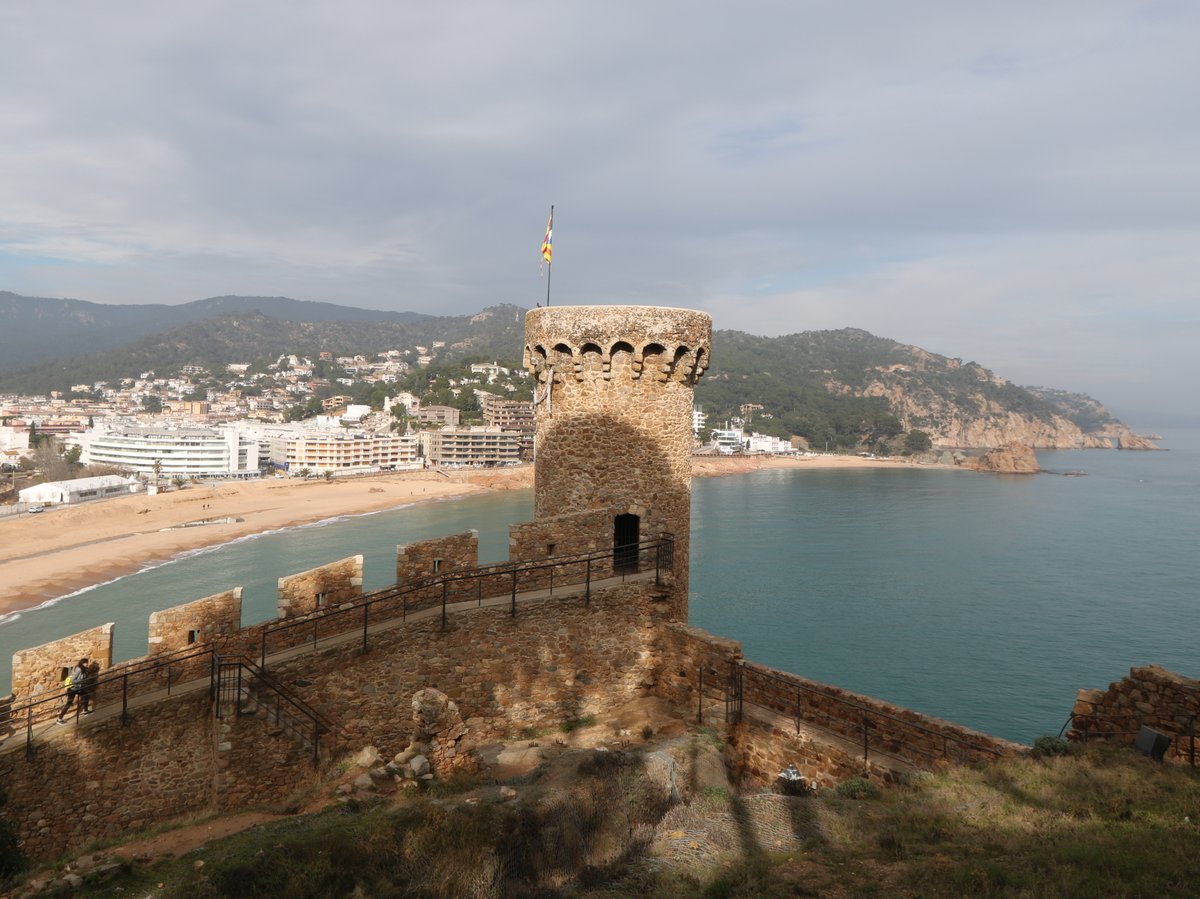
x=1133 y=442
x=1013 y=458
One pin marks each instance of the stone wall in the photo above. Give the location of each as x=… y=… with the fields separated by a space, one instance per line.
x=758 y=751
x=1150 y=696
x=555 y=660
x=330 y=585
x=691 y=661
x=892 y=729
x=42 y=669
x=429 y=558
x=106 y=780
x=613 y=399
x=195 y=622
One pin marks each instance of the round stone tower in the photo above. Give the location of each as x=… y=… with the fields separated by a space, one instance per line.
x=613 y=397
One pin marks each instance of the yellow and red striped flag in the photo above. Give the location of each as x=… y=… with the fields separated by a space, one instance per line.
x=548 y=240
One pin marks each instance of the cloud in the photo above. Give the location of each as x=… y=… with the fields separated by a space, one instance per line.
x=934 y=173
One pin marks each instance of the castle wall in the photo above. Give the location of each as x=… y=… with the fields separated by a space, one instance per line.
x=40 y=669
x=195 y=622
x=330 y=585
x=557 y=659
x=1150 y=696
x=108 y=780
x=614 y=412
x=444 y=555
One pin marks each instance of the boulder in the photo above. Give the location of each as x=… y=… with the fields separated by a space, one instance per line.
x=368 y=757
x=1012 y=458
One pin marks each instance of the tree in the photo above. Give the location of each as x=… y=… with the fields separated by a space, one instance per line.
x=157 y=467
x=152 y=404
x=917 y=442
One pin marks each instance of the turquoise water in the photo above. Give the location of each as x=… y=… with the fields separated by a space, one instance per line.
x=987 y=600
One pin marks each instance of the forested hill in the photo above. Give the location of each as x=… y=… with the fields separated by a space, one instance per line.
x=852 y=388
x=847 y=387
x=37 y=329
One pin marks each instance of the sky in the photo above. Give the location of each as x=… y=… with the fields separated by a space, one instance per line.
x=1015 y=184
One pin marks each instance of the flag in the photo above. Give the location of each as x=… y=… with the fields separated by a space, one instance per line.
x=548 y=240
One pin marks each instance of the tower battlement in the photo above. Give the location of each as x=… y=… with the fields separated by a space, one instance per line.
x=613 y=402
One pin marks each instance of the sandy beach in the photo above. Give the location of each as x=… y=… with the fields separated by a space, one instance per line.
x=65 y=549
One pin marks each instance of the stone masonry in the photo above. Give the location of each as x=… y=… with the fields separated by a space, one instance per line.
x=613 y=402
x=330 y=585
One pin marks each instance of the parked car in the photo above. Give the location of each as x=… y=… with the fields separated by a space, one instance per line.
x=33 y=509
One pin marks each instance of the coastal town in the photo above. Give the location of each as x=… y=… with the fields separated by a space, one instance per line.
x=297 y=417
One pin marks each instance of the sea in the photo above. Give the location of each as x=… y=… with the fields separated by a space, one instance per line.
x=988 y=600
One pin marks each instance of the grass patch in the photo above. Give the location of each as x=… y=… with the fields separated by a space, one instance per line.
x=573 y=724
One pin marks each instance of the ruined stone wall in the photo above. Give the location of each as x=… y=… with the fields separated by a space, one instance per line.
x=195 y=622
x=444 y=555
x=1150 y=696
x=330 y=585
x=613 y=398
x=106 y=780
x=41 y=669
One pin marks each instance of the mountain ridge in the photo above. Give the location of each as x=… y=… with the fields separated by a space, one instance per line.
x=845 y=388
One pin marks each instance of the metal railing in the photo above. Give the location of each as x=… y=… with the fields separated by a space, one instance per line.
x=239 y=680
x=132 y=679
x=878 y=731
x=470 y=585
x=154 y=675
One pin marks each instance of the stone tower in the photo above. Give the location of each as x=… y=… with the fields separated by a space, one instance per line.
x=613 y=399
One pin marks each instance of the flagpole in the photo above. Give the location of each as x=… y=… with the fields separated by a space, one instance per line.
x=550 y=262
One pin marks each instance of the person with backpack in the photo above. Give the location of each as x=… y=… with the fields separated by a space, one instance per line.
x=75 y=684
x=88 y=697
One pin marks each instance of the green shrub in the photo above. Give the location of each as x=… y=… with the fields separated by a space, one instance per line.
x=1047 y=746
x=857 y=788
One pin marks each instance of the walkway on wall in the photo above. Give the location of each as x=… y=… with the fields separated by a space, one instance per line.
x=26 y=733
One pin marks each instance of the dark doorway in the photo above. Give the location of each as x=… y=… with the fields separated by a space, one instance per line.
x=626 y=533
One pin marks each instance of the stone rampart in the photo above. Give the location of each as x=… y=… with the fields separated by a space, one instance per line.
x=112 y=779
x=889 y=729
x=41 y=669
x=329 y=585
x=195 y=622
x=1150 y=696
x=440 y=556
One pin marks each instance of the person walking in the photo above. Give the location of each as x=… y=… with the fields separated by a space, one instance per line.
x=74 y=684
x=88 y=696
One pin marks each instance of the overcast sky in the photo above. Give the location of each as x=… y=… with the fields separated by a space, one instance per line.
x=1013 y=183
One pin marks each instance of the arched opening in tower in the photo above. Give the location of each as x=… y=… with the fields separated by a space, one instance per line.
x=626 y=534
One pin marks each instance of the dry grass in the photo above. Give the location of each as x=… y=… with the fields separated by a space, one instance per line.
x=1104 y=824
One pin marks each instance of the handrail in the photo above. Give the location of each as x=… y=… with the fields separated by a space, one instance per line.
x=295 y=701
x=32 y=712
x=869 y=714
x=664 y=547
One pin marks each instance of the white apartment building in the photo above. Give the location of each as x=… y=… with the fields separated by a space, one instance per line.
x=473 y=446
x=176 y=452
x=342 y=452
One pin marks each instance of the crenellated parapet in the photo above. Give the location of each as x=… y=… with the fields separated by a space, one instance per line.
x=614 y=342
